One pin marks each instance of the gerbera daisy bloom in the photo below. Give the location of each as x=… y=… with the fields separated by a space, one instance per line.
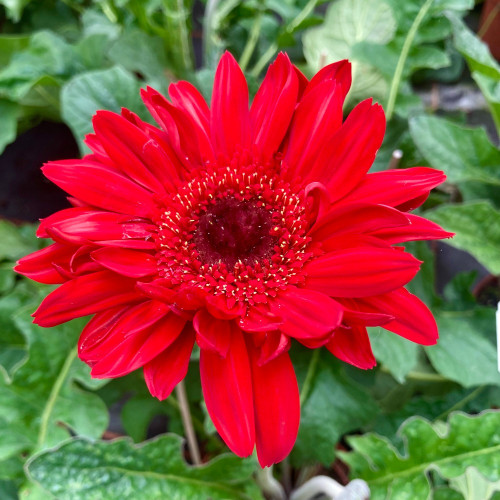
x=238 y=229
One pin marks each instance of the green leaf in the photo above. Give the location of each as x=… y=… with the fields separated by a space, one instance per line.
x=11 y=44
x=8 y=490
x=474 y=486
x=86 y=93
x=8 y=122
x=47 y=55
x=465 y=154
x=45 y=401
x=397 y=354
x=349 y=22
x=448 y=448
x=14 y=243
x=137 y=414
x=14 y=8
x=333 y=406
x=477 y=228
x=466 y=335
x=490 y=87
x=13 y=345
x=156 y=470
x=136 y=51
x=476 y=52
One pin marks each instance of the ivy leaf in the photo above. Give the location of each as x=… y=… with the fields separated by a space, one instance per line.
x=332 y=406
x=84 y=94
x=446 y=448
x=477 y=228
x=465 y=154
x=474 y=486
x=81 y=470
x=348 y=22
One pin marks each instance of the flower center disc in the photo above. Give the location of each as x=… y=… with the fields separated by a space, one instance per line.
x=234 y=231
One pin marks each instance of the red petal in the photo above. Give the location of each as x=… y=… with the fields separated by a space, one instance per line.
x=133 y=350
x=361 y=272
x=85 y=295
x=124 y=142
x=407 y=187
x=418 y=229
x=132 y=263
x=357 y=218
x=230 y=125
x=347 y=155
x=413 y=320
x=81 y=225
x=165 y=371
x=212 y=333
x=306 y=313
x=273 y=106
x=260 y=319
x=96 y=331
x=339 y=72
x=186 y=97
x=227 y=389
x=191 y=144
x=275 y=343
x=39 y=265
x=277 y=407
x=318 y=115
x=100 y=186
x=352 y=345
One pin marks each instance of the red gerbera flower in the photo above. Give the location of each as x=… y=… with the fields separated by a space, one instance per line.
x=238 y=229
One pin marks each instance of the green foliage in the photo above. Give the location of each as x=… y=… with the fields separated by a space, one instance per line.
x=387 y=42
x=331 y=406
x=346 y=24
x=80 y=470
x=485 y=70
x=477 y=225
x=83 y=95
x=464 y=154
x=445 y=448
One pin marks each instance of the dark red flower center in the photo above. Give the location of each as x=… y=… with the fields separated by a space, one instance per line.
x=234 y=231
x=237 y=230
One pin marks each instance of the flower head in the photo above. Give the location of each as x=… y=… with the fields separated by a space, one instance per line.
x=238 y=229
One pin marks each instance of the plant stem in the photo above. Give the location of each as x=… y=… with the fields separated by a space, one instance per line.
x=289 y=28
x=54 y=393
x=398 y=72
x=311 y=370
x=462 y=402
x=178 y=37
x=209 y=32
x=187 y=422
x=252 y=40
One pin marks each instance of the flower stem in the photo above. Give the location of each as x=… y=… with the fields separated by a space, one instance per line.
x=187 y=422
x=252 y=40
x=311 y=370
x=54 y=393
x=289 y=28
x=462 y=402
x=398 y=72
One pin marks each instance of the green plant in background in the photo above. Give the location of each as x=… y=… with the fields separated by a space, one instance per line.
x=64 y=60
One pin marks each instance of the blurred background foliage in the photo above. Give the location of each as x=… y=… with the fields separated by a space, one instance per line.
x=425 y=422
